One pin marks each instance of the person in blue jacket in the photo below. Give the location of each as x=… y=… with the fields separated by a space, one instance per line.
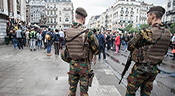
x=55 y=39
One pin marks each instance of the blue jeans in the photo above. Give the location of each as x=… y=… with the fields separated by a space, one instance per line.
x=32 y=43
x=15 y=42
x=39 y=43
x=49 y=48
x=102 y=49
x=125 y=45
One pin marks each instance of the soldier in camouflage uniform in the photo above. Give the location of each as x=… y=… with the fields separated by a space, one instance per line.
x=79 y=52
x=148 y=48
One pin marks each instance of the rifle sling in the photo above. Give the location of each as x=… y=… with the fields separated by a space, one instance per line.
x=76 y=36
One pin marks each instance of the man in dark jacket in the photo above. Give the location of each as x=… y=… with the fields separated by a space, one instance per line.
x=125 y=39
x=101 y=40
x=108 y=39
x=44 y=40
x=56 y=39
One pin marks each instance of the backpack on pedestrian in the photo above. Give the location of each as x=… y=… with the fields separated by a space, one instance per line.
x=39 y=37
x=48 y=37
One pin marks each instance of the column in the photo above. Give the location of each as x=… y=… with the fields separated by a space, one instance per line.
x=5 y=7
x=23 y=10
x=15 y=8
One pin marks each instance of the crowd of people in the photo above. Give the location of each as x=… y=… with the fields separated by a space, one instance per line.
x=119 y=41
x=35 y=37
x=111 y=41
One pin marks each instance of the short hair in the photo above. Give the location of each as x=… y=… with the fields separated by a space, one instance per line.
x=77 y=16
x=158 y=14
x=94 y=30
x=56 y=30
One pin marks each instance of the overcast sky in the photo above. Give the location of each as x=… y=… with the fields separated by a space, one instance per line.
x=96 y=7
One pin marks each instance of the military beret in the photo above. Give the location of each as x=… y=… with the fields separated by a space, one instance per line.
x=157 y=8
x=81 y=11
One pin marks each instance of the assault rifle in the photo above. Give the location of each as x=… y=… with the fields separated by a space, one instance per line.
x=128 y=63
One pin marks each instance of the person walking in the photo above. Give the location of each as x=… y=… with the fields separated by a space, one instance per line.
x=32 y=39
x=27 y=37
x=108 y=39
x=101 y=39
x=49 y=37
x=125 y=39
x=61 y=33
x=79 y=51
x=147 y=50
x=44 y=39
x=14 y=39
x=19 y=37
x=117 y=42
x=173 y=50
x=56 y=39
x=39 y=39
x=94 y=60
x=113 y=40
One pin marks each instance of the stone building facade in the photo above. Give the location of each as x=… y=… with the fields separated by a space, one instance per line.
x=122 y=13
x=59 y=13
x=36 y=9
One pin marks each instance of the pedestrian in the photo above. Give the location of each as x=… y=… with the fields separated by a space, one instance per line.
x=173 y=50
x=24 y=38
x=33 y=39
x=19 y=37
x=101 y=39
x=27 y=37
x=55 y=39
x=14 y=39
x=44 y=39
x=153 y=42
x=49 y=37
x=113 y=40
x=61 y=39
x=39 y=39
x=108 y=39
x=94 y=60
x=80 y=68
x=117 y=42
x=125 y=39
x=130 y=36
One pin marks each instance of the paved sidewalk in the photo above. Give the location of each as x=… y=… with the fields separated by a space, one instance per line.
x=26 y=73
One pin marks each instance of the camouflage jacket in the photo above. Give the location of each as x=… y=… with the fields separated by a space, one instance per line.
x=150 y=45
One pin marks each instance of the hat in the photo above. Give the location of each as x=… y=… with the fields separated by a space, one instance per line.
x=157 y=8
x=81 y=11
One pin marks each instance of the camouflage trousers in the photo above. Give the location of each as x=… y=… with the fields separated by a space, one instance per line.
x=143 y=80
x=78 y=71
